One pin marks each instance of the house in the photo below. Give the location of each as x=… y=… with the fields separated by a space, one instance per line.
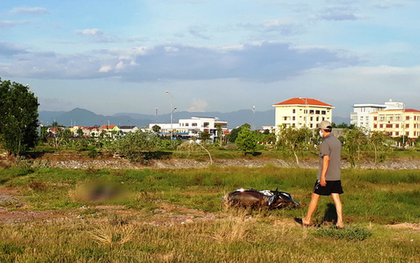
x=74 y=130
x=302 y=112
x=109 y=130
x=126 y=129
x=91 y=131
x=396 y=122
x=360 y=117
x=270 y=128
x=191 y=127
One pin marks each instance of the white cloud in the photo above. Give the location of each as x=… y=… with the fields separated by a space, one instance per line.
x=9 y=49
x=198 y=105
x=264 y=62
x=10 y=23
x=387 y=4
x=30 y=10
x=105 y=69
x=120 y=66
x=96 y=35
x=90 y=32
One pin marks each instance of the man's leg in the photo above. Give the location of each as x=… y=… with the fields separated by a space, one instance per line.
x=311 y=209
x=339 y=208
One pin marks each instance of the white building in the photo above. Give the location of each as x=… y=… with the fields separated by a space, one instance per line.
x=360 y=117
x=301 y=112
x=192 y=127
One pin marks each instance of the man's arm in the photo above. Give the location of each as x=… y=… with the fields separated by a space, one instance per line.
x=325 y=163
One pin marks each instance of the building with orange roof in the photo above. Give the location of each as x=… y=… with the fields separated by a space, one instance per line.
x=302 y=112
x=396 y=122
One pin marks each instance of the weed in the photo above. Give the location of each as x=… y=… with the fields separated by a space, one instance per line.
x=348 y=233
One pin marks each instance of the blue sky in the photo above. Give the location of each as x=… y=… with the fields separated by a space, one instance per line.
x=121 y=56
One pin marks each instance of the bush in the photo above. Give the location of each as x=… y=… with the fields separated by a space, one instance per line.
x=135 y=146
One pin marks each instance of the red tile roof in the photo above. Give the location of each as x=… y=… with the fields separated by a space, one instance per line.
x=404 y=110
x=412 y=110
x=303 y=101
x=105 y=127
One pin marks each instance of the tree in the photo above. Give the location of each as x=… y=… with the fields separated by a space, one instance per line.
x=219 y=133
x=417 y=142
x=18 y=117
x=136 y=145
x=246 y=140
x=377 y=140
x=355 y=141
x=294 y=140
x=156 y=128
x=235 y=132
x=343 y=125
x=80 y=133
x=205 y=136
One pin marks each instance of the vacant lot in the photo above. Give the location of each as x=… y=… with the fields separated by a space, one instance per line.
x=175 y=215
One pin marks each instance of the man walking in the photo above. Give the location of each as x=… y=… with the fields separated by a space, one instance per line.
x=329 y=175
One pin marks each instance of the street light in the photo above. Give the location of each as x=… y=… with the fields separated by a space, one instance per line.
x=172 y=110
x=172 y=130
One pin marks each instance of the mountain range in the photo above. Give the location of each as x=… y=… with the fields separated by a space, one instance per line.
x=83 y=117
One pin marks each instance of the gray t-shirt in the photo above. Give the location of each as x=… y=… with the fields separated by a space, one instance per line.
x=330 y=146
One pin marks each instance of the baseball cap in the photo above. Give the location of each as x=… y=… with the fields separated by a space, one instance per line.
x=325 y=125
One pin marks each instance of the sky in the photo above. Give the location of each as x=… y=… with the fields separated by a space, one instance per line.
x=148 y=56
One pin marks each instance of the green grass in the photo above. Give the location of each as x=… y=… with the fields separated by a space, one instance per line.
x=371 y=200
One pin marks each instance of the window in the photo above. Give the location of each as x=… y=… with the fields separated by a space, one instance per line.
x=397 y=125
x=389 y=125
x=397 y=133
x=407 y=118
x=381 y=126
x=375 y=126
x=194 y=124
x=407 y=126
x=323 y=112
x=294 y=118
x=311 y=111
x=317 y=112
x=375 y=118
x=294 y=110
x=285 y=118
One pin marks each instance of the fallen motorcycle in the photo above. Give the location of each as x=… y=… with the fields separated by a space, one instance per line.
x=251 y=198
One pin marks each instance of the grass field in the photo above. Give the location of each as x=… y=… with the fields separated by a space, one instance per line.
x=175 y=215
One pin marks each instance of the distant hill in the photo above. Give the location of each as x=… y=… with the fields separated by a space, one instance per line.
x=82 y=117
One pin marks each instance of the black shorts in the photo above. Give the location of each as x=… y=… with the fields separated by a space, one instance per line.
x=332 y=187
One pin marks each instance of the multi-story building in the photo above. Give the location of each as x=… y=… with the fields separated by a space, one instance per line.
x=192 y=127
x=396 y=122
x=360 y=117
x=302 y=112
